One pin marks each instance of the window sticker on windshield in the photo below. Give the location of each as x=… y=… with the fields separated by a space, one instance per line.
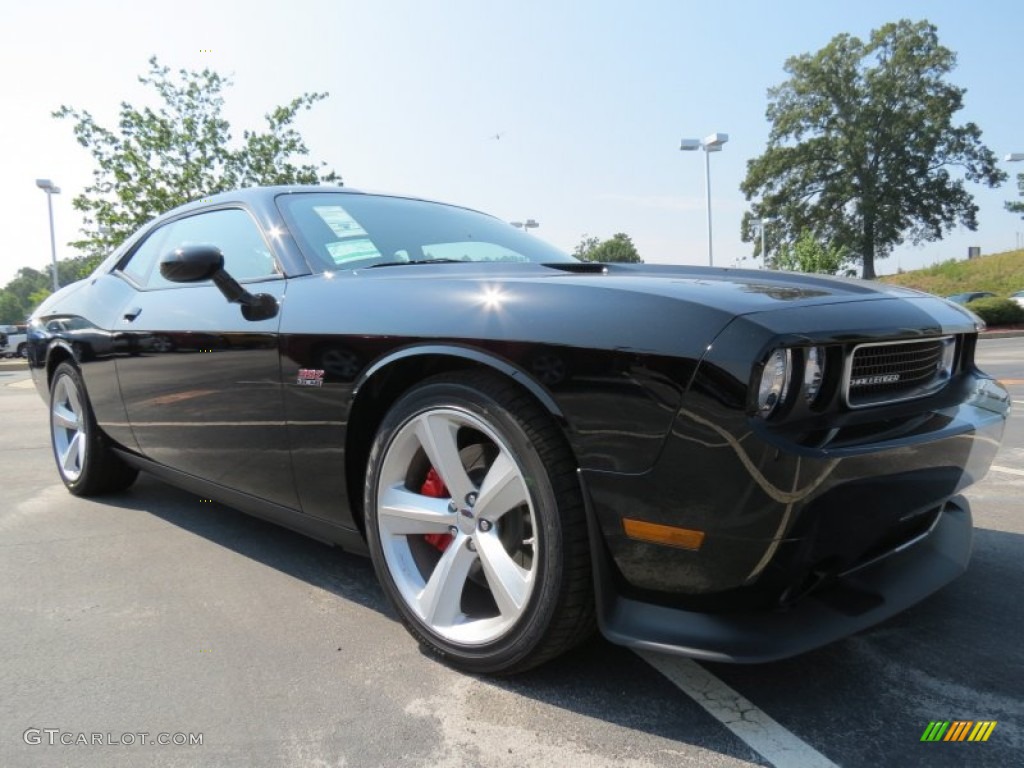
x=337 y=218
x=350 y=250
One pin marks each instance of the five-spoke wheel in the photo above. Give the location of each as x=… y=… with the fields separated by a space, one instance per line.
x=68 y=428
x=461 y=555
x=85 y=461
x=476 y=526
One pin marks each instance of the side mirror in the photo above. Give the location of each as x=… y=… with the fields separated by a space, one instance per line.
x=195 y=263
x=192 y=264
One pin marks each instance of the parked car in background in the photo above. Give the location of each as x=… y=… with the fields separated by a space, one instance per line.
x=969 y=296
x=1018 y=297
x=734 y=465
x=13 y=340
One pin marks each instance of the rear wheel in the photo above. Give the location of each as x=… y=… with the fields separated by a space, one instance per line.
x=476 y=526
x=85 y=461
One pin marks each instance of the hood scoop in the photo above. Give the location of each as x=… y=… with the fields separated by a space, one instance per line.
x=580 y=267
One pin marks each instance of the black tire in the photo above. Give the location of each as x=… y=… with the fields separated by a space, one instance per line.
x=503 y=422
x=87 y=467
x=23 y=349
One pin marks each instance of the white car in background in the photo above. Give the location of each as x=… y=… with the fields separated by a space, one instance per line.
x=1018 y=297
x=13 y=340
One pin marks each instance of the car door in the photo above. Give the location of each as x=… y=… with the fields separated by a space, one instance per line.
x=202 y=390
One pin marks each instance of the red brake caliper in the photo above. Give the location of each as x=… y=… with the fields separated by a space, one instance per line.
x=433 y=486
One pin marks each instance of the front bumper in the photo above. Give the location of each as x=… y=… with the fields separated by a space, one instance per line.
x=774 y=516
x=854 y=601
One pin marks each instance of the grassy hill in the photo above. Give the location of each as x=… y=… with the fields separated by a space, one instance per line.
x=1001 y=273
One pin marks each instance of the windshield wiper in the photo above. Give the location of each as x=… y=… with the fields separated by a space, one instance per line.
x=416 y=261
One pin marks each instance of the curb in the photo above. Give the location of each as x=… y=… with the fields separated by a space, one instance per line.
x=1009 y=333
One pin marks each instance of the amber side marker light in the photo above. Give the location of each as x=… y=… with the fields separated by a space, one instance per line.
x=668 y=535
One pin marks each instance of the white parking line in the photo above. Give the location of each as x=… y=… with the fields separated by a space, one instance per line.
x=759 y=731
x=997 y=468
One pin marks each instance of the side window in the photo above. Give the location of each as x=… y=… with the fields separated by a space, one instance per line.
x=246 y=254
x=144 y=260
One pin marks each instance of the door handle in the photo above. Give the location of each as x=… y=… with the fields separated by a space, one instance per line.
x=132 y=313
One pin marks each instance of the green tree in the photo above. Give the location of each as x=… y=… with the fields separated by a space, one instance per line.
x=10 y=309
x=808 y=254
x=73 y=269
x=585 y=247
x=19 y=296
x=863 y=149
x=1017 y=206
x=157 y=159
x=619 y=248
x=37 y=297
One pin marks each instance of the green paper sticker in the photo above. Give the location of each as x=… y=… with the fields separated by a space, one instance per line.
x=337 y=218
x=351 y=250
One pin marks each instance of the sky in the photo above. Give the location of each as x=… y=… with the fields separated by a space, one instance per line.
x=567 y=112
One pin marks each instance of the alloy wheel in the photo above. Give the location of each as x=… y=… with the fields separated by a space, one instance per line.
x=457 y=526
x=69 y=428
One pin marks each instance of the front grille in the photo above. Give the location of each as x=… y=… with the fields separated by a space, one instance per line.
x=889 y=372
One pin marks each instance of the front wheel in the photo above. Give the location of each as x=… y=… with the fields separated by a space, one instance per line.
x=85 y=462
x=476 y=527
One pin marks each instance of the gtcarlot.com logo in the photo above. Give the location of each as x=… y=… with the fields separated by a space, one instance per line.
x=958 y=730
x=55 y=736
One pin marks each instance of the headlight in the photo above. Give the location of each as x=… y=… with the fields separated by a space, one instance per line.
x=814 y=372
x=774 y=382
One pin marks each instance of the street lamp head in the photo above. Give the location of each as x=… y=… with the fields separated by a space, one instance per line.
x=530 y=224
x=714 y=142
x=688 y=145
x=47 y=186
x=1014 y=157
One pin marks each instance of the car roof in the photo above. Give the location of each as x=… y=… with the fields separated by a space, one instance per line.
x=260 y=200
x=257 y=196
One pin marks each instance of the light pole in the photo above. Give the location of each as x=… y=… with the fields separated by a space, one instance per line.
x=51 y=189
x=709 y=144
x=761 y=225
x=526 y=225
x=1016 y=157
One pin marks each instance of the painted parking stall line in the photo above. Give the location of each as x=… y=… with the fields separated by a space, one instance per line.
x=755 y=727
x=1007 y=470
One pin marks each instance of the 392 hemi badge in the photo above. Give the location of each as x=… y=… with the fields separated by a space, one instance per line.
x=310 y=377
x=867 y=381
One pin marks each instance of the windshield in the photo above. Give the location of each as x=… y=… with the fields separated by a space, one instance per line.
x=350 y=231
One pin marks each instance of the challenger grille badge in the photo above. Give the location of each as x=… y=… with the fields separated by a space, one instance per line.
x=867 y=381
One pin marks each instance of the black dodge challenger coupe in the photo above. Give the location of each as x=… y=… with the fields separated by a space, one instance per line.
x=732 y=465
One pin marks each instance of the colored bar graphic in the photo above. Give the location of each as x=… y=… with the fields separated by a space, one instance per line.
x=982 y=730
x=959 y=730
x=935 y=730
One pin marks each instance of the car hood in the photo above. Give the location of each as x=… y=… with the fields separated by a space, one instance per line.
x=745 y=291
x=736 y=291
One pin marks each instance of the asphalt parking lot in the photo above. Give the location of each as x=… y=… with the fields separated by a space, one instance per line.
x=154 y=612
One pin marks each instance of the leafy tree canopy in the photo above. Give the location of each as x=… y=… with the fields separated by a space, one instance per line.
x=863 y=150
x=1017 y=206
x=21 y=295
x=619 y=248
x=157 y=159
x=585 y=247
x=807 y=254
